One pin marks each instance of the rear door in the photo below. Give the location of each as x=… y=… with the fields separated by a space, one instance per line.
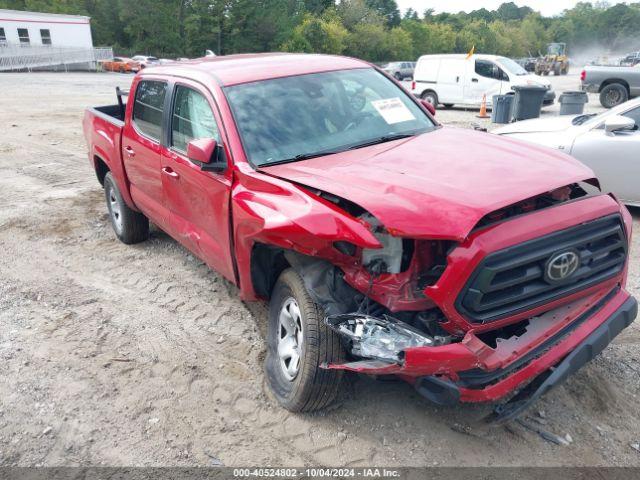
x=451 y=78
x=141 y=146
x=198 y=200
x=426 y=74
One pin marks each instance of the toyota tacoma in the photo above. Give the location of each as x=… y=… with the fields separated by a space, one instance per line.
x=476 y=268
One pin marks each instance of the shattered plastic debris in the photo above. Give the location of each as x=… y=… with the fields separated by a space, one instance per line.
x=378 y=338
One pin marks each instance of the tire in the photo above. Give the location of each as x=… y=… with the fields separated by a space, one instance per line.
x=129 y=226
x=397 y=76
x=431 y=97
x=309 y=387
x=556 y=71
x=613 y=94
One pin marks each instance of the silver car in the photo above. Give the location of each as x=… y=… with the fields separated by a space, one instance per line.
x=608 y=143
x=400 y=70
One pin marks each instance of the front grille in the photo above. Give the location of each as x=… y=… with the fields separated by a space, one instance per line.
x=513 y=280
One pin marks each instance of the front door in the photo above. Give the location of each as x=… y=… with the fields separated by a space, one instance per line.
x=198 y=200
x=485 y=79
x=141 y=147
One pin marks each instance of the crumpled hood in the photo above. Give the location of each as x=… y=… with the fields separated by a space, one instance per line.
x=440 y=184
x=553 y=124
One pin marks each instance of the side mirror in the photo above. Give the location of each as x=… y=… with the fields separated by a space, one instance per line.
x=428 y=106
x=201 y=150
x=206 y=153
x=618 y=123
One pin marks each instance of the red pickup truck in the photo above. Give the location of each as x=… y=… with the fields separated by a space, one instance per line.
x=477 y=268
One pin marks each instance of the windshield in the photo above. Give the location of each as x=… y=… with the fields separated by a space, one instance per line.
x=293 y=118
x=511 y=66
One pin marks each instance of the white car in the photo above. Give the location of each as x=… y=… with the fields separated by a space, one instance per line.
x=463 y=80
x=608 y=143
x=145 y=61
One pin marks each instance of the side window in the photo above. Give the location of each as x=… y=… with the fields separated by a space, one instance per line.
x=3 y=37
x=147 y=107
x=192 y=118
x=23 y=36
x=634 y=115
x=45 y=35
x=484 y=68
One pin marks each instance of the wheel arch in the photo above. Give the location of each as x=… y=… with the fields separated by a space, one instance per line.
x=267 y=264
x=101 y=168
x=611 y=81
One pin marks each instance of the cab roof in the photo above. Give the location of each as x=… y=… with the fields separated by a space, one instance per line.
x=244 y=68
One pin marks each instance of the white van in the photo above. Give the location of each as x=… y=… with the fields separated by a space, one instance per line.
x=456 y=79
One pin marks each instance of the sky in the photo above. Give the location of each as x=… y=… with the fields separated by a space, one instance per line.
x=546 y=7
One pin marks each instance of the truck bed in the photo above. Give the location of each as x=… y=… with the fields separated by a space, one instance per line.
x=111 y=113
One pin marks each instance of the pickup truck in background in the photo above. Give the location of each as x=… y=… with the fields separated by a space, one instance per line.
x=615 y=84
x=477 y=268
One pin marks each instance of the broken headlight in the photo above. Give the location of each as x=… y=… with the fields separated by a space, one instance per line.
x=380 y=338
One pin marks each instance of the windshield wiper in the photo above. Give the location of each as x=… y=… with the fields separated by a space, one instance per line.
x=582 y=118
x=383 y=139
x=302 y=156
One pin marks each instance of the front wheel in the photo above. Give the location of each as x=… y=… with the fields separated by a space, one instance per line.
x=130 y=226
x=298 y=344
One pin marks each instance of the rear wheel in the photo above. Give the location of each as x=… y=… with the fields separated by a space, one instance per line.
x=398 y=76
x=130 y=226
x=613 y=94
x=298 y=344
x=431 y=97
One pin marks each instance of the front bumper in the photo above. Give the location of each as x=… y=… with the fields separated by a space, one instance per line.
x=595 y=343
x=472 y=371
x=549 y=98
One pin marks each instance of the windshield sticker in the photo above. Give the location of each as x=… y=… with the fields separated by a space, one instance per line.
x=393 y=110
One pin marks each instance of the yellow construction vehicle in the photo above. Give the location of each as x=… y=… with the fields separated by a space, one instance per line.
x=555 y=60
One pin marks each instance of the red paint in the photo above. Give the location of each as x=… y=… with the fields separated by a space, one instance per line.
x=430 y=188
x=43 y=21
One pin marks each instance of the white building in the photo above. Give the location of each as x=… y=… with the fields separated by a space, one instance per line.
x=31 y=40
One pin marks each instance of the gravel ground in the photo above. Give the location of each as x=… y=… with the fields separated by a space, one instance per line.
x=118 y=355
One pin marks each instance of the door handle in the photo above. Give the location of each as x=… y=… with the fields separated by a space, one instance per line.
x=474 y=80
x=169 y=171
x=130 y=151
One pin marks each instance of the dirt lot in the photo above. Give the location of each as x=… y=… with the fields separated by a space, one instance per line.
x=117 y=355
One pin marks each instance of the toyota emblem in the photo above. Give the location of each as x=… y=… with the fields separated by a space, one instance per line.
x=561 y=266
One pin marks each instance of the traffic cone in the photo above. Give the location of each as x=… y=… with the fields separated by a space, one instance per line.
x=483 y=108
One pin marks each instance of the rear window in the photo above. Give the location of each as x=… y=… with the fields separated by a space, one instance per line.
x=148 y=107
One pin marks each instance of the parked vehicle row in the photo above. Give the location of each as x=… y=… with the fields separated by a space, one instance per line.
x=462 y=80
x=385 y=243
x=132 y=65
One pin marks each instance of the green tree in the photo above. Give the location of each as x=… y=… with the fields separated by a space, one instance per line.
x=388 y=9
x=316 y=34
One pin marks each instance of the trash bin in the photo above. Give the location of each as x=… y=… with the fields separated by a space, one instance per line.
x=501 y=108
x=572 y=103
x=527 y=102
